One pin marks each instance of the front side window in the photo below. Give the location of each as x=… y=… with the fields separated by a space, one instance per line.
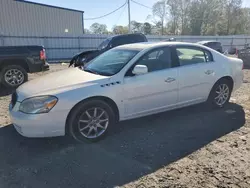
x=157 y=59
x=104 y=44
x=110 y=62
x=189 y=56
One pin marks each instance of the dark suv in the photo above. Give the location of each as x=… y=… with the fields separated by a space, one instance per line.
x=86 y=56
x=212 y=44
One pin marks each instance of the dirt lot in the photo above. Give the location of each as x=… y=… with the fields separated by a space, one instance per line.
x=191 y=147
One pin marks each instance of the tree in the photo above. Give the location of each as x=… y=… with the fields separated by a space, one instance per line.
x=196 y=13
x=160 y=11
x=212 y=16
x=97 y=28
x=136 y=27
x=190 y=17
x=147 y=28
x=184 y=19
x=87 y=31
x=174 y=14
x=118 y=29
x=244 y=23
x=232 y=15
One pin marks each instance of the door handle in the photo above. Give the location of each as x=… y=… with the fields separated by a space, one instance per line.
x=208 y=72
x=169 y=80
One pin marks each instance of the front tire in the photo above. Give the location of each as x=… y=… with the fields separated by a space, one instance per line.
x=220 y=94
x=13 y=76
x=91 y=121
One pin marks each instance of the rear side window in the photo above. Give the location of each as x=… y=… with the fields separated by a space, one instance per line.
x=136 y=38
x=127 y=39
x=190 y=55
x=117 y=41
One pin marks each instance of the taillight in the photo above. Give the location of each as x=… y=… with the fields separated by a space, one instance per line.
x=236 y=52
x=42 y=54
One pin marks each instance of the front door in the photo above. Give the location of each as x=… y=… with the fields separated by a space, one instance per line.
x=154 y=91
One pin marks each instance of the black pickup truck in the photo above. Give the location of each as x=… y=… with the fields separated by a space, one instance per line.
x=17 y=61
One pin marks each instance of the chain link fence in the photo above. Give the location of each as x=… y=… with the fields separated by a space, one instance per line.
x=61 y=48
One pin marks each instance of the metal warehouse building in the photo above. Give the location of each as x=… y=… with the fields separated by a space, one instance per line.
x=24 y=18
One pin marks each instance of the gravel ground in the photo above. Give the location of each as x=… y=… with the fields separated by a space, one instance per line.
x=190 y=147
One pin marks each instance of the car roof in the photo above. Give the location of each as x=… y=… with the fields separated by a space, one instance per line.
x=124 y=35
x=146 y=45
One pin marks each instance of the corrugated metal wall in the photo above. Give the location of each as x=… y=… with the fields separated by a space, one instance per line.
x=27 y=19
x=62 y=48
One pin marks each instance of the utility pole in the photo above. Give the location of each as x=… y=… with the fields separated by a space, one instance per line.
x=129 y=25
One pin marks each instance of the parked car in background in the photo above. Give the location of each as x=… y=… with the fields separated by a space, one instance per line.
x=126 y=82
x=109 y=43
x=212 y=44
x=169 y=40
x=244 y=54
x=232 y=52
x=17 y=61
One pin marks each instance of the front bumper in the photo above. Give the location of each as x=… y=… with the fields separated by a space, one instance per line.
x=38 y=125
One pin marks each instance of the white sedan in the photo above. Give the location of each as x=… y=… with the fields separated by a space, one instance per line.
x=126 y=82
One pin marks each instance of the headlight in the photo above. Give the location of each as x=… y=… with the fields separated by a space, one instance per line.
x=38 y=105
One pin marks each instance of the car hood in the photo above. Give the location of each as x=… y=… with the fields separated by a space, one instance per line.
x=60 y=81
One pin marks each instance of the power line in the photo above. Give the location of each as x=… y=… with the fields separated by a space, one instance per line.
x=107 y=13
x=120 y=15
x=141 y=4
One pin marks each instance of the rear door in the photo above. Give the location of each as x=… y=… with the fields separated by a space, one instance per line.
x=197 y=74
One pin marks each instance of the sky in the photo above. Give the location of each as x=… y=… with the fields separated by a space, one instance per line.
x=95 y=8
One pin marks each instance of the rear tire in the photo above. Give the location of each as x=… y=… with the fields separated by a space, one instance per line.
x=13 y=76
x=220 y=94
x=91 y=121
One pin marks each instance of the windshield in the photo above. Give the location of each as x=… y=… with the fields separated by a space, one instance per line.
x=104 y=44
x=110 y=62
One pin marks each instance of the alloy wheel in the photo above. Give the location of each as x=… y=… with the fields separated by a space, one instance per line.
x=93 y=122
x=222 y=94
x=14 y=77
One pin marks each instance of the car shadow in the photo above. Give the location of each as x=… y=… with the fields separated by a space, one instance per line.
x=5 y=91
x=133 y=149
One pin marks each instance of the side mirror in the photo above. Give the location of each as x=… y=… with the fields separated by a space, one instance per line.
x=140 y=69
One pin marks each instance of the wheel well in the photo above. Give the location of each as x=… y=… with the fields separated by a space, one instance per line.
x=229 y=79
x=20 y=62
x=102 y=98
